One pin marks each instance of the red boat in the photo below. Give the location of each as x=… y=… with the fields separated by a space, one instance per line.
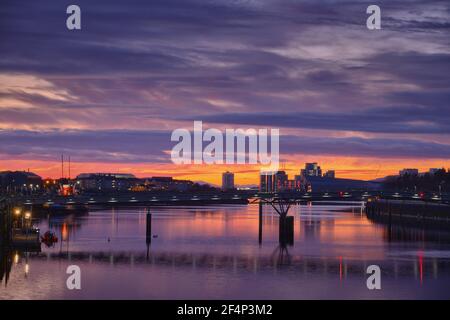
x=49 y=238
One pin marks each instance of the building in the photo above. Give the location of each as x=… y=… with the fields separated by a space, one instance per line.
x=158 y=183
x=106 y=181
x=280 y=181
x=266 y=181
x=19 y=181
x=312 y=180
x=330 y=174
x=166 y=184
x=300 y=183
x=273 y=181
x=433 y=171
x=409 y=171
x=181 y=185
x=227 y=181
x=294 y=185
x=312 y=169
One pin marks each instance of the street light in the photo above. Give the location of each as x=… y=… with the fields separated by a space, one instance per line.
x=27 y=215
x=17 y=211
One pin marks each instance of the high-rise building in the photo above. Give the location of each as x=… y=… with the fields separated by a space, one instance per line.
x=273 y=181
x=312 y=169
x=280 y=181
x=266 y=182
x=227 y=181
x=300 y=182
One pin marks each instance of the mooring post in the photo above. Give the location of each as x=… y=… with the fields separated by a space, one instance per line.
x=390 y=224
x=260 y=222
x=148 y=231
x=149 y=227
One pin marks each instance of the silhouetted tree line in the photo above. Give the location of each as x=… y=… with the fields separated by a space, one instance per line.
x=428 y=182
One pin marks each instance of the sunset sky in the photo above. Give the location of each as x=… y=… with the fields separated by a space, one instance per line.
x=365 y=103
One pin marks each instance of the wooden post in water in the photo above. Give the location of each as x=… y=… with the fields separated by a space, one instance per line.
x=148 y=231
x=390 y=223
x=260 y=221
x=148 y=227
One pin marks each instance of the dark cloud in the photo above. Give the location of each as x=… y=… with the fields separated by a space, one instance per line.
x=377 y=148
x=300 y=64
x=412 y=119
x=102 y=146
x=150 y=146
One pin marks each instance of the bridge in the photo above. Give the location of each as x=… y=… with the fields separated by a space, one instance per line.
x=238 y=197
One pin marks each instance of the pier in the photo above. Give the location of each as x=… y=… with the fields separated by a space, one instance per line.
x=408 y=212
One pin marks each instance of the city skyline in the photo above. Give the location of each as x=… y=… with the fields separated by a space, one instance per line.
x=366 y=104
x=65 y=171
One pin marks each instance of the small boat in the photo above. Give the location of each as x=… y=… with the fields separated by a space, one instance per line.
x=49 y=238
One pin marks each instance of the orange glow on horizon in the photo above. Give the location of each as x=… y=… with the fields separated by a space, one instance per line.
x=345 y=167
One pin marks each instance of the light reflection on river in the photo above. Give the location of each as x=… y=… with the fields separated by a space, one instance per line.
x=211 y=252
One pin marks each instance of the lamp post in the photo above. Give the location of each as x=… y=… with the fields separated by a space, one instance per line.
x=17 y=213
x=28 y=222
x=27 y=216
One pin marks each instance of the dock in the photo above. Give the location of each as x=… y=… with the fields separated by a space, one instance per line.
x=408 y=212
x=16 y=228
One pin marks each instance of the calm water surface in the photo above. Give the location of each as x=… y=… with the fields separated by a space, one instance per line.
x=212 y=252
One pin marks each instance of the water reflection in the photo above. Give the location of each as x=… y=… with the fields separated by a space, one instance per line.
x=280 y=259
x=407 y=234
x=10 y=258
x=214 y=252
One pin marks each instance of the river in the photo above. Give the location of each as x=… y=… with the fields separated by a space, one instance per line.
x=212 y=252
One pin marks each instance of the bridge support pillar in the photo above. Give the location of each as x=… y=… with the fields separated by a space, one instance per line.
x=286 y=230
x=260 y=222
